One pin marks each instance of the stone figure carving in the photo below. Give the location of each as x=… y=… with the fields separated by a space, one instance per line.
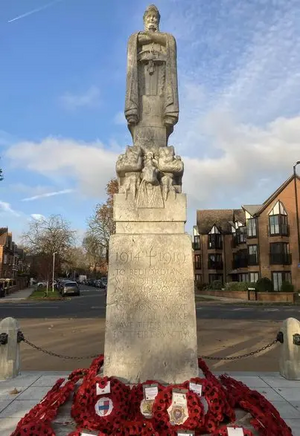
x=129 y=167
x=149 y=194
x=171 y=169
x=151 y=107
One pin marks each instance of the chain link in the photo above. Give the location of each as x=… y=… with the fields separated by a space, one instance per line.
x=242 y=356
x=21 y=338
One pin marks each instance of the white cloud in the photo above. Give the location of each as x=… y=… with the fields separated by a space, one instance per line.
x=90 y=99
x=48 y=194
x=38 y=216
x=90 y=164
x=6 y=208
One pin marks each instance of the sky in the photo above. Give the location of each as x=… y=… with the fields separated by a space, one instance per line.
x=62 y=93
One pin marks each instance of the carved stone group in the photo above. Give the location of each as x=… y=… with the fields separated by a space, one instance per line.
x=150 y=176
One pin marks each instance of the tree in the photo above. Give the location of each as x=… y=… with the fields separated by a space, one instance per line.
x=100 y=227
x=44 y=238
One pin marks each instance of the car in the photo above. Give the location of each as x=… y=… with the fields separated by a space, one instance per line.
x=70 y=287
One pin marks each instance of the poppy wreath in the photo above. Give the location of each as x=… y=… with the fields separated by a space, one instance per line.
x=227 y=402
x=37 y=421
x=136 y=397
x=138 y=427
x=266 y=418
x=163 y=401
x=223 y=431
x=215 y=402
x=84 y=402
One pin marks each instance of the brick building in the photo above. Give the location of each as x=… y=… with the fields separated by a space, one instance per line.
x=252 y=242
x=12 y=258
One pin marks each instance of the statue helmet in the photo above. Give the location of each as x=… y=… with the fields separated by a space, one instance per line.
x=153 y=9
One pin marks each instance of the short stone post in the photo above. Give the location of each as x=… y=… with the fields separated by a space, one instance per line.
x=289 y=360
x=10 y=352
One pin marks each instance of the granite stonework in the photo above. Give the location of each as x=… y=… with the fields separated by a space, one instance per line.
x=151 y=328
x=151 y=317
x=289 y=361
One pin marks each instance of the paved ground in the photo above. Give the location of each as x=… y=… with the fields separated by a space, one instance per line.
x=32 y=387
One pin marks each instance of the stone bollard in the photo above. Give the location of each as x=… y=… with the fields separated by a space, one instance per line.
x=289 y=361
x=10 y=352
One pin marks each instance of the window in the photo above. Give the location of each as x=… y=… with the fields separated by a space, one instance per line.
x=279 y=277
x=197 y=242
x=240 y=259
x=253 y=277
x=215 y=261
x=215 y=241
x=252 y=228
x=197 y=261
x=278 y=220
x=198 y=278
x=252 y=254
x=243 y=277
x=241 y=235
x=215 y=277
x=5 y=259
x=279 y=254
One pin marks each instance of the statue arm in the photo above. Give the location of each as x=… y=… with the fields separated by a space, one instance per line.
x=149 y=37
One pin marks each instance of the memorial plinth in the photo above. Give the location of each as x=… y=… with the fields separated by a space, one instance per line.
x=150 y=313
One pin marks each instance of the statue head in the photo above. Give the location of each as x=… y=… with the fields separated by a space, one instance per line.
x=151 y=18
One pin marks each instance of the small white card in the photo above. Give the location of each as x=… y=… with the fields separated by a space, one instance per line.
x=150 y=392
x=196 y=388
x=235 y=431
x=88 y=434
x=179 y=398
x=185 y=433
x=102 y=391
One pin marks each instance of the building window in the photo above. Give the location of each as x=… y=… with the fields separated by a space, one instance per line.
x=215 y=277
x=197 y=261
x=197 y=242
x=198 y=278
x=241 y=235
x=215 y=261
x=252 y=254
x=253 y=277
x=278 y=220
x=279 y=254
x=243 y=277
x=252 y=228
x=5 y=259
x=279 y=277
x=240 y=259
x=215 y=241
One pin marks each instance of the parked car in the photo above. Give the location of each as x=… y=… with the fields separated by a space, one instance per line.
x=69 y=287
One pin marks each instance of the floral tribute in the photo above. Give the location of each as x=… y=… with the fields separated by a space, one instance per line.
x=105 y=406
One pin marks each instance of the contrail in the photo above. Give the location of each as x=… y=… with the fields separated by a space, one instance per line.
x=34 y=11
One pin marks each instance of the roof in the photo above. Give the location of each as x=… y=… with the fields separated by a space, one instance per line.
x=275 y=194
x=222 y=218
x=252 y=208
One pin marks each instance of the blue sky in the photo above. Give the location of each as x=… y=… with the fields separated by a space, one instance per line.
x=62 y=90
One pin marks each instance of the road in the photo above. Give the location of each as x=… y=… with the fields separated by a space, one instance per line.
x=76 y=328
x=91 y=304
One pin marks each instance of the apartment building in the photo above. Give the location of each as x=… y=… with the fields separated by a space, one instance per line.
x=252 y=242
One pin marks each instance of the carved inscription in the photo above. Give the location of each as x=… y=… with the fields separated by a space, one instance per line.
x=154 y=257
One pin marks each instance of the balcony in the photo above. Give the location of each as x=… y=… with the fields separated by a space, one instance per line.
x=252 y=259
x=215 y=265
x=280 y=259
x=280 y=230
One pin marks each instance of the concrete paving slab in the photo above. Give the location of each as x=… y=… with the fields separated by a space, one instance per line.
x=294 y=424
x=252 y=382
x=34 y=393
x=4 y=404
x=280 y=382
x=286 y=410
x=18 y=408
x=8 y=425
x=289 y=394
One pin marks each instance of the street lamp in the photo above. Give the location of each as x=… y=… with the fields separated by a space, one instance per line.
x=53 y=269
x=297 y=212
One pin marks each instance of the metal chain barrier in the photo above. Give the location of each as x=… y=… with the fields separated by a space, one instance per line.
x=21 y=338
x=242 y=356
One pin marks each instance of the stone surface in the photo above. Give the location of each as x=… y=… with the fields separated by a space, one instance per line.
x=151 y=107
x=151 y=317
x=289 y=360
x=9 y=353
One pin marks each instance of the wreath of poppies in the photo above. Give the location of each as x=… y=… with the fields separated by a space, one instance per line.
x=137 y=396
x=163 y=401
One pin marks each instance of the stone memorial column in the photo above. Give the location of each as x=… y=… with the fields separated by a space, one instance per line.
x=151 y=330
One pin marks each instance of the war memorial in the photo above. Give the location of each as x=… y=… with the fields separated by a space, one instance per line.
x=150 y=380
